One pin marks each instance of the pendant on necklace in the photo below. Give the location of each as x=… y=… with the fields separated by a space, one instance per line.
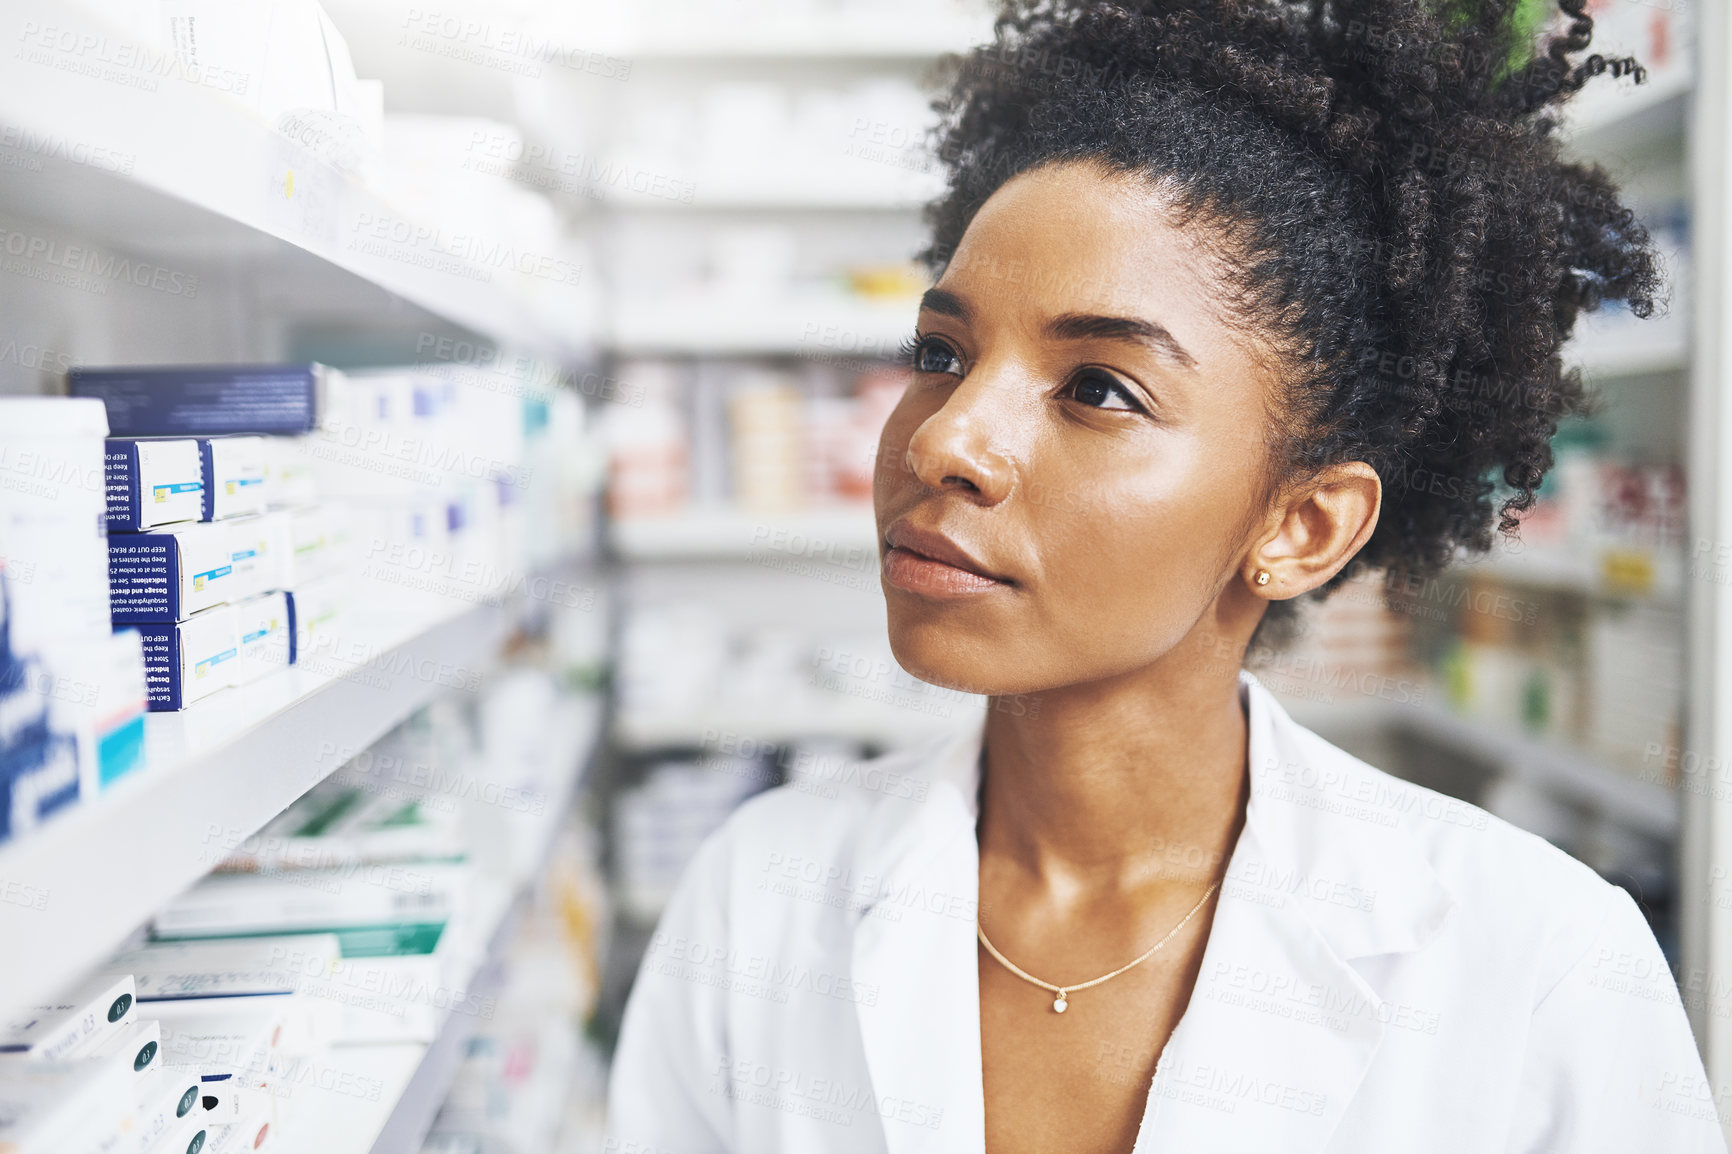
x=1059 y=1004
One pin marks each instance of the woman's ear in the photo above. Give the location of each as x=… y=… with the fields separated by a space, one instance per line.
x=1314 y=531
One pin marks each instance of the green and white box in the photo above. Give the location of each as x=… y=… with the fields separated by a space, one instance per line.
x=74 y=1025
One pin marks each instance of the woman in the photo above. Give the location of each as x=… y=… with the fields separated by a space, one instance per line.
x=1230 y=293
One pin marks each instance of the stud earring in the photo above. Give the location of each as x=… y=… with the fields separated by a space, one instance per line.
x=1262 y=577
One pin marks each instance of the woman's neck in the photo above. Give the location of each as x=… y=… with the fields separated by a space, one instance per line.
x=1119 y=785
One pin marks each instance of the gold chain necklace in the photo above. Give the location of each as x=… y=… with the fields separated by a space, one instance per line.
x=1062 y=1001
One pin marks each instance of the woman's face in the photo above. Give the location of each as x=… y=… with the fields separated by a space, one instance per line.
x=1072 y=479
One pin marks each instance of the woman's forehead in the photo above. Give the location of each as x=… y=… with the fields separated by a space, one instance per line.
x=1078 y=238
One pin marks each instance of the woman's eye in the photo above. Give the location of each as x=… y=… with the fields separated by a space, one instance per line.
x=931 y=356
x=1099 y=390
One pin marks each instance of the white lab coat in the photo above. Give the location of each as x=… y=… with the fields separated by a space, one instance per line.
x=1388 y=970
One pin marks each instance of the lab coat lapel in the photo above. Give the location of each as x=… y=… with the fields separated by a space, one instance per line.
x=915 y=946
x=1281 y=1028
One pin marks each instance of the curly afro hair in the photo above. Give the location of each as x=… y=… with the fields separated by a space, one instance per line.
x=1384 y=184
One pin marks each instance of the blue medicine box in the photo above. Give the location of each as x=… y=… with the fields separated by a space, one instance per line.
x=153 y=482
x=170 y=574
x=185 y=661
x=206 y=400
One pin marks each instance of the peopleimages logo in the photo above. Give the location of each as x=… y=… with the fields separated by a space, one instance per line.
x=90 y=268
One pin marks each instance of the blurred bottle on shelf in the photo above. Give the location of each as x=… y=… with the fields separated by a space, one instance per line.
x=649 y=446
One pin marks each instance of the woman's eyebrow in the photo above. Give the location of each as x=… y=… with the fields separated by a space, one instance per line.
x=945 y=304
x=1083 y=326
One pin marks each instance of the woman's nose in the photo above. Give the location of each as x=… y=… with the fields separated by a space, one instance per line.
x=959 y=446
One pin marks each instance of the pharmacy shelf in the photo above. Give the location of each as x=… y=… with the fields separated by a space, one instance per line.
x=214 y=774
x=879 y=35
x=1648 y=807
x=1611 y=117
x=847 y=536
x=190 y=176
x=1634 y=355
x=580 y=727
x=417 y=1100
x=322 y=1121
x=888 y=725
x=783 y=198
x=1621 y=573
x=817 y=326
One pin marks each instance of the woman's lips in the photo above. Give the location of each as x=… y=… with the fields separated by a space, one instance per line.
x=918 y=573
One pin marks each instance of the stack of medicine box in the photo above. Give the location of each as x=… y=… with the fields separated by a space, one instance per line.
x=147 y=1063
x=71 y=688
x=222 y=557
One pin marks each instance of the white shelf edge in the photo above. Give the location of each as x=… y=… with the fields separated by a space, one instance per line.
x=1650 y=808
x=819 y=326
x=105 y=865
x=889 y=727
x=774 y=199
x=882 y=38
x=816 y=536
x=1576 y=571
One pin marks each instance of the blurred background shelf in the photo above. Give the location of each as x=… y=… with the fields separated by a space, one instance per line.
x=1651 y=806
x=885 y=727
x=783 y=198
x=815 y=326
x=1609 y=571
x=734 y=535
x=888 y=34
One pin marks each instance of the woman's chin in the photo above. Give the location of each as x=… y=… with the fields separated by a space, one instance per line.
x=954 y=661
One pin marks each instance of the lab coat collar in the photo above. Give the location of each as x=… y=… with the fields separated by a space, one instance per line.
x=1281 y=1026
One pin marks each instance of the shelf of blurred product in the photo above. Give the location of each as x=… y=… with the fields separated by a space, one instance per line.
x=215 y=773
x=1648 y=806
x=1603 y=571
x=413 y=1078
x=782 y=197
x=824 y=326
x=1610 y=118
x=1663 y=351
x=866 y=33
x=881 y=725
x=843 y=535
x=579 y=735
x=116 y=140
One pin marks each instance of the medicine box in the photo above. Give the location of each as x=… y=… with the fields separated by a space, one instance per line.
x=313 y=609
x=58 y=1107
x=38 y=771
x=140 y=1041
x=73 y=1025
x=169 y=574
x=319 y=538
x=98 y=695
x=56 y=585
x=186 y=661
x=153 y=482
x=234 y=476
x=263 y=625
x=51 y=464
x=261 y=548
x=208 y=400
